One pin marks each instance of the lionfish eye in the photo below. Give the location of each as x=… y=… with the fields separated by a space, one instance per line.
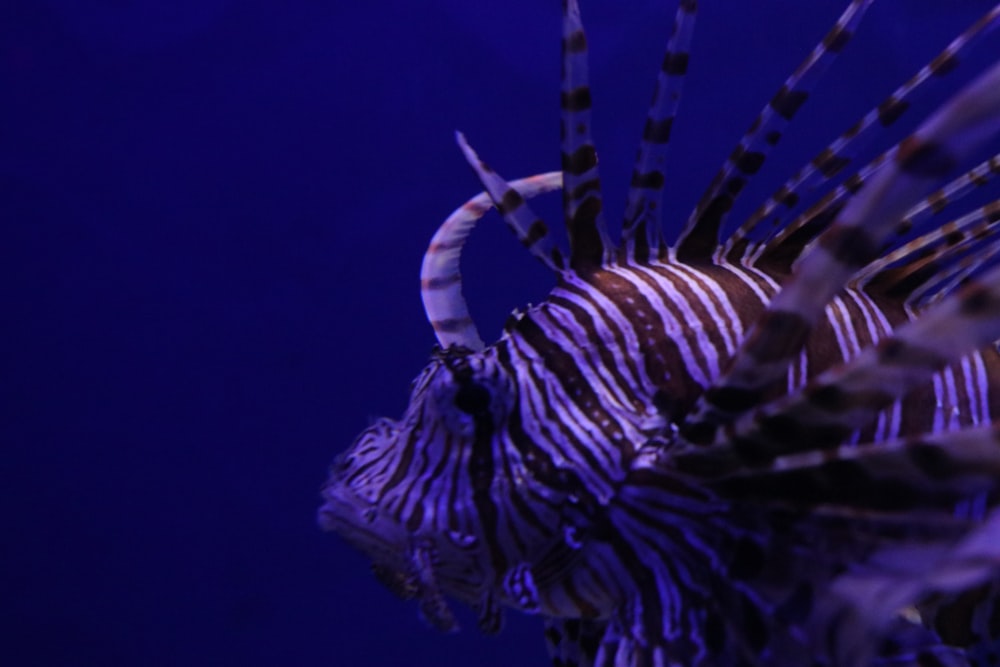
x=472 y=398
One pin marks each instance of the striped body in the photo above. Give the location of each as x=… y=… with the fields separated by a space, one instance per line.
x=657 y=335
x=768 y=449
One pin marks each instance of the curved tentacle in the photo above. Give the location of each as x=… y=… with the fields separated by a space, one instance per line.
x=440 y=272
x=530 y=229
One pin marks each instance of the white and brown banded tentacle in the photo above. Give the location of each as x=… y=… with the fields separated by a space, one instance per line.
x=440 y=273
x=590 y=245
x=530 y=230
x=934 y=246
x=955 y=274
x=935 y=471
x=699 y=239
x=833 y=159
x=940 y=199
x=902 y=271
x=929 y=155
x=780 y=250
x=642 y=229
x=837 y=402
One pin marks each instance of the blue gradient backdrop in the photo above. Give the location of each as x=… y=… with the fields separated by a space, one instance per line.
x=213 y=214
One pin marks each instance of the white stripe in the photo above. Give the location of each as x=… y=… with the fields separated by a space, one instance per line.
x=983 y=383
x=731 y=328
x=673 y=329
x=840 y=323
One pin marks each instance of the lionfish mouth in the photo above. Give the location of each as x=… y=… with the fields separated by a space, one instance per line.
x=359 y=523
x=405 y=567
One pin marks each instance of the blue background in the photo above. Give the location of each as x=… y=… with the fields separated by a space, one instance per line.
x=213 y=214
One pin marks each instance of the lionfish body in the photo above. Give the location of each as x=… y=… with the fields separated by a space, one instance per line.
x=777 y=449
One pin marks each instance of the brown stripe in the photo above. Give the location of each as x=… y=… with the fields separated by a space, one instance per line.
x=951 y=239
x=937 y=201
x=923 y=158
x=586 y=246
x=582 y=160
x=851 y=246
x=440 y=282
x=562 y=369
x=854 y=183
x=734 y=185
x=891 y=109
x=943 y=64
x=451 y=325
x=674 y=64
x=829 y=163
x=657 y=131
x=747 y=162
x=557 y=257
x=536 y=232
x=652 y=180
x=622 y=372
x=576 y=43
x=836 y=39
x=786 y=197
x=992 y=211
x=787 y=102
x=510 y=201
x=577 y=99
x=853 y=130
x=445 y=245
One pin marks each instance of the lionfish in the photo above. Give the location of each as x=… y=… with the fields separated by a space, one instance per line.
x=771 y=448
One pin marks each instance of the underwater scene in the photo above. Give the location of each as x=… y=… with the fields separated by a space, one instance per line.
x=215 y=214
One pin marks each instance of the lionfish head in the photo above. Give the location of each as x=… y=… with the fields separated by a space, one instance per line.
x=406 y=492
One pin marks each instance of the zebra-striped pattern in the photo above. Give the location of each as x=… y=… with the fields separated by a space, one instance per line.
x=759 y=452
x=440 y=273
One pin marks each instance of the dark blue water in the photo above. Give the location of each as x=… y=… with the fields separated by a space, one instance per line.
x=213 y=214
